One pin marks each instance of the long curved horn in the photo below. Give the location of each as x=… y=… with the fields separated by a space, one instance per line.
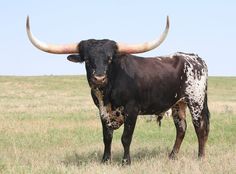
x=51 y=48
x=144 y=47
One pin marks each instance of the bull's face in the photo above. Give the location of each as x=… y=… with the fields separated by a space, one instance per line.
x=98 y=56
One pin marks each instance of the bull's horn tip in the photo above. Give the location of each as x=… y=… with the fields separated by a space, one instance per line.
x=27 y=21
x=168 y=20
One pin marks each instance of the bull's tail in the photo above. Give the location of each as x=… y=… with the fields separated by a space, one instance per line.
x=206 y=112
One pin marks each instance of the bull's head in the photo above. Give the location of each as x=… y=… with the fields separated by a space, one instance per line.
x=97 y=54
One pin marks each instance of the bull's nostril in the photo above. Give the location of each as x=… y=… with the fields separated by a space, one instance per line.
x=100 y=78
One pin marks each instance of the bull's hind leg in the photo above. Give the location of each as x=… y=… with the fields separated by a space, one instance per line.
x=201 y=124
x=179 y=115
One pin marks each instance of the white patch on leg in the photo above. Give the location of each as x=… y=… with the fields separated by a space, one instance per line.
x=201 y=124
x=183 y=125
x=180 y=123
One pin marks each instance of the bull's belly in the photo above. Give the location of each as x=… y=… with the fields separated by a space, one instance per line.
x=153 y=111
x=114 y=113
x=156 y=108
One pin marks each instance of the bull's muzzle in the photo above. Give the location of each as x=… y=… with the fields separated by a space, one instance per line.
x=99 y=80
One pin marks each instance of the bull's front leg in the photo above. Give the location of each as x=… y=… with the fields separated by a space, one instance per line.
x=126 y=139
x=107 y=140
x=104 y=115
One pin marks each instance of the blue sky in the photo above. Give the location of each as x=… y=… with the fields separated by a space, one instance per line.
x=207 y=28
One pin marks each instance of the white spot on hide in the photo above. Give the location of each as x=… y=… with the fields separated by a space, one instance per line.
x=113 y=118
x=102 y=109
x=195 y=84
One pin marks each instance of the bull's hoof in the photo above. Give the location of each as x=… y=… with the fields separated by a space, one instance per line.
x=106 y=160
x=201 y=156
x=126 y=162
x=173 y=156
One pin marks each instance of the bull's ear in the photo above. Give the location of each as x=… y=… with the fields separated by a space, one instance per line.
x=75 y=58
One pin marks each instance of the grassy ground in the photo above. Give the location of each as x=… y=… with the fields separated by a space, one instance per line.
x=50 y=125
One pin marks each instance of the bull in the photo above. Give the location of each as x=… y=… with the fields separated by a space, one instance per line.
x=124 y=86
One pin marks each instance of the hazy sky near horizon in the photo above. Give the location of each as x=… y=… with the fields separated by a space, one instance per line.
x=207 y=28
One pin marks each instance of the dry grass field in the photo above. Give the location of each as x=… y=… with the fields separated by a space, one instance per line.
x=50 y=125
